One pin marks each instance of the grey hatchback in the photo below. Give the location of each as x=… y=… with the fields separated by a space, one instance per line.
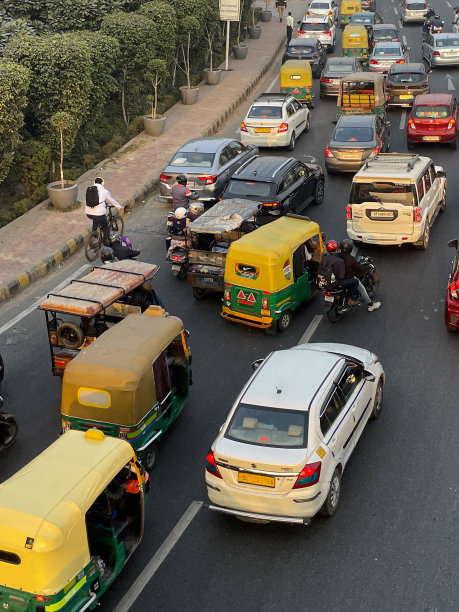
x=334 y=70
x=355 y=139
x=208 y=163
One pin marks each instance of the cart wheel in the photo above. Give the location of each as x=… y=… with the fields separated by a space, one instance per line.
x=284 y=321
x=10 y=431
x=70 y=335
x=150 y=457
x=198 y=293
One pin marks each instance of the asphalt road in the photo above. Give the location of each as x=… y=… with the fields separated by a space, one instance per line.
x=393 y=543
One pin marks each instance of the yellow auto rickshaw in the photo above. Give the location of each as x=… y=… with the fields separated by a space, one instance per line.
x=270 y=272
x=296 y=80
x=69 y=521
x=132 y=383
x=348 y=8
x=362 y=93
x=355 y=42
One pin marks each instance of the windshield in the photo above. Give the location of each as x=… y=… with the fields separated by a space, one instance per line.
x=406 y=77
x=447 y=42
x=384 y=34
x=431 y=112
x=416 y=6
x=265 y=112
x=386 y=51
x=314 y=27
x=269 y=427
x=339 y=68
x=300 y=50
x=383 y=192
x=250 y=189
x=193 y=158
x=353 y=134
x=319 y=5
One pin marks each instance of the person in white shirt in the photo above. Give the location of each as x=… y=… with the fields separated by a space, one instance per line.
x=98 y=213
x=289 y=22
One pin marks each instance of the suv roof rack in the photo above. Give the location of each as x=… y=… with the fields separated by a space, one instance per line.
x=272 y=97
x=398 y=160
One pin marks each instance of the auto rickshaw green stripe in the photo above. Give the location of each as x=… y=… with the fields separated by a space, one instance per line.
x=136 y=433
x=67 y=597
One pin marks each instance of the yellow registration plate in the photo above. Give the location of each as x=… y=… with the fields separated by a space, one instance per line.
x=256 y=479
x=265 y=312
x=406 y=97
x=264 y=130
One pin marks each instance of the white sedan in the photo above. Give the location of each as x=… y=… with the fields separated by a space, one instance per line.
x=324 y=8
x=281 y=452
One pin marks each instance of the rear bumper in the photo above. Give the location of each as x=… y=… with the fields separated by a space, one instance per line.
x=451 y=313
x=384 y=238
x=246 y=319
x=261 y=517
x=444 y=136
x=343 y=165
x=267 y=140
x=413 y=18
x=327 y=89
x=444 y=61
x=209 y=194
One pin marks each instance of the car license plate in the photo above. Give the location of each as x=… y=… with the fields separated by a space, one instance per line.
x=329 y=298
x=262 y=130
x=263 y=311
x=431 y=138
x=406 y=97
x=382 y=214
x=256 y=479
x=349 y=155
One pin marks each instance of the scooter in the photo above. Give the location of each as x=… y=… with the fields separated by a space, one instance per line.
x=177 y=246
x=8 y=429
x=337 y=300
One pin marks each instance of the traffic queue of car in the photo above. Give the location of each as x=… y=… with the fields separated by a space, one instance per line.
x=126 y=363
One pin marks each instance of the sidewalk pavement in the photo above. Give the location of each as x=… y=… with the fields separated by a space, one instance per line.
x=36 y=243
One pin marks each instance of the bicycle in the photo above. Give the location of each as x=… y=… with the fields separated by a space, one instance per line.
x=95 y=240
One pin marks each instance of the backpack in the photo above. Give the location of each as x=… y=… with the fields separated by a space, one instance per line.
x=92 y=196
x=325 y=275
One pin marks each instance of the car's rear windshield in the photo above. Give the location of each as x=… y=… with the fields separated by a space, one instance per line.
x=353 y=134
x=383 y=192
x=319 y=5
x=385 y=34
x=314 y=27
x=264 y=426
x=406 y=77
x=265 y=112
x=339 y=68
x=431 y=112
x=301 y=49
x=250 y=189
x=361 y=19
x=447 y=42
x=416 y=6
x=194 y=158
x=386 y=52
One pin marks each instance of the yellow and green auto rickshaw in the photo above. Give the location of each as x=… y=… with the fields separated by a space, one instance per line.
x=132 y=383
x=362 y=93
x=69 y=521
x=270 y=272
x=296 y=80
x=355 y=42
x=348 y=8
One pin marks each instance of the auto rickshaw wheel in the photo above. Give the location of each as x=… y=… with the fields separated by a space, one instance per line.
x=150 y=457
x=284 y=321
x=70 y=335
x=10 y=431
x=198 y=293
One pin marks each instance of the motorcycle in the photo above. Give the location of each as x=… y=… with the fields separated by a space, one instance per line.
x=8 y=429
x=177 y=246
x=430 y=28
x=337 y=300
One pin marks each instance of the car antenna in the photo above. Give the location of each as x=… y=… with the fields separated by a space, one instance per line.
x=278 y=390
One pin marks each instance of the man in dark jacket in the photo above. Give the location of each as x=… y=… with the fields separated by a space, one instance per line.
x=337 y=265
x=353 y=271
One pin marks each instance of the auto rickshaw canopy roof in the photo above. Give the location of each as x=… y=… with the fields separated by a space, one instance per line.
x=364 y=77
x=349 y=7
x=43 y=507
x=225 y=216
x=299 y=68
x=355 y=36
x=95 y=291
x=112 y=380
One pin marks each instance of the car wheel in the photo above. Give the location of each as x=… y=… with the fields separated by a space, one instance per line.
x=291 y=144
x=410 y=144
x=424 y=242
x=453 y=144
x=331 y=503
x=377 y=404
x=319 y=192
x=331 y=48
x=308 y=123
x=451 y=328
x=284 y=321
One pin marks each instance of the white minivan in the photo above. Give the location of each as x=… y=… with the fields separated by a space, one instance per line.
x=394 y=199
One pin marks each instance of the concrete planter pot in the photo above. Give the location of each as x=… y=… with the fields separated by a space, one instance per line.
x=240 y=51
x=265 y=16
x=154 y=127
x=60 y=198
x=189 y=96
x=254 y=31
x=212 y=77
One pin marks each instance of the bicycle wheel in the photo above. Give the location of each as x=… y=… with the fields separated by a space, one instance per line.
x=92 y=247
x=117 y=225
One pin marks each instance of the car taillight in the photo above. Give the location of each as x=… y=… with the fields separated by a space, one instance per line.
x=417 y=214
x=282 y=128
x=308 y=13
x=315 y=56
x=308 y=476
x=400 y=61
x=453 y=289
x=324 y=80
x=164 y=178
x=211 y=465
x=330 y=13
x=373 y=62
x=243 y=127
x=425 y=84
x=301 y=32
x=328 y=153
x=388 y=85
x=451 y=123
x=376 y=151
x=328 y=33
x=271 y=204
x=437 y=53
x=411 y=124
x=348 y=212
x=209 y=180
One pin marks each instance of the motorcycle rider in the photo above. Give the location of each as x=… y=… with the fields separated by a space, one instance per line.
x=354 y=270
x=430 y=13
x=432 y=23
x=181 y=195
x=336 y=264
x=456 y=21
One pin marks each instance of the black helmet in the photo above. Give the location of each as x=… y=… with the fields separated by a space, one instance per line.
x=181 y=179
x=107 y=254
x=346 y=245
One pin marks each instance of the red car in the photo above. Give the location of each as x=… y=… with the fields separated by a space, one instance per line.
x=452 y=292
x=433 y=119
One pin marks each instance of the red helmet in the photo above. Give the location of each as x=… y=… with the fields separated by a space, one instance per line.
x=331 y=246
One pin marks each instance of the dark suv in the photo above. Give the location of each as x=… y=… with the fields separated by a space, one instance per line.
x=281 y=184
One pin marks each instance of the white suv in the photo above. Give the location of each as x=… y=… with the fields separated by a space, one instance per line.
x=325 y=8
x=413 y=11
x=322 y=28
x=275 y=120
x=394 y=199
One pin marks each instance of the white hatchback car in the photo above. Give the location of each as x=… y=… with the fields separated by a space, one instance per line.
x=275 y=120
x=282 y=450
x=325 y=8
x=322 y=28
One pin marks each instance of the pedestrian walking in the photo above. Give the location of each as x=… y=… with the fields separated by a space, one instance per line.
x=280 y=5
x=95 y=209
x=289 y=22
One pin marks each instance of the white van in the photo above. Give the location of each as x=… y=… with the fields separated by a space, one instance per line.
x=394 y=199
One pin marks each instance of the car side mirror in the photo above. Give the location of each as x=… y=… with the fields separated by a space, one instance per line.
x=298 y=22
x=441 y=174
x=388 y=124
x=257 y=363
x=429 y=71
x=334 y=122
x=369 y=376
x=451 y=243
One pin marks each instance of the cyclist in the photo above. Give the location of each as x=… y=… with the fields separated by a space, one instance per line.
x=98 y=213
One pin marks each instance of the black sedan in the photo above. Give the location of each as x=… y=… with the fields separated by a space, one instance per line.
x=307 y=49
x=367 y=19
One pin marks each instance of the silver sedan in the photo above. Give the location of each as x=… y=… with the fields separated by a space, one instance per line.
x=441 y=49
x=385 y=54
